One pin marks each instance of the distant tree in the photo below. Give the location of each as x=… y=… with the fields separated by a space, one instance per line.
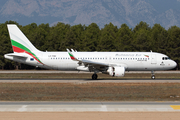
x=56 y=37
x=73 y=37
x=90 y=37
x=107 y=38
x=5 y=46
x=141 y=25
x=141 y=37
x=124 y=39
x=173 y=46
x=158 y=39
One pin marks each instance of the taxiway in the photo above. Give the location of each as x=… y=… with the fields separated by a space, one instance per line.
x=89 y=106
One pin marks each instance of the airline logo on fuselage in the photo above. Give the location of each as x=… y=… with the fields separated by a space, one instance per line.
x=131 y=55
x=146 y=56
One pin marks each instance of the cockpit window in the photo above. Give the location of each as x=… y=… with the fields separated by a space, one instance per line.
x=165 y=58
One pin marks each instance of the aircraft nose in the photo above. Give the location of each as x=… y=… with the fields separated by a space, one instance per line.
x=173 y=64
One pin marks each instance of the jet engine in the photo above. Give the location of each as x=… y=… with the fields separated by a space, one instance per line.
x=83 y=68
x=116 y=71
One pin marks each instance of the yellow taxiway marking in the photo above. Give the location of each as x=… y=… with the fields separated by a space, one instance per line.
x=175 y=107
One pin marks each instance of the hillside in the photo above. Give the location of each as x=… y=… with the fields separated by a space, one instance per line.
x=131 y=12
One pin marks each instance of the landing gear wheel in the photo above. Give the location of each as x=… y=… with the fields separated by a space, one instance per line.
x=94 y=76
x=153 y=77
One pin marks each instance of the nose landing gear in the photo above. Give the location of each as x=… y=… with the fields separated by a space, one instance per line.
x=152 y=75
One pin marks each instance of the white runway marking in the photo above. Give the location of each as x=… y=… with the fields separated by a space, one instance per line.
x=88 y=107
x=22 y=109
x=104 y=108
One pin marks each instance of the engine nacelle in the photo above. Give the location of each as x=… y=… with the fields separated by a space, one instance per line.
x=116 y=71
x=83 y=68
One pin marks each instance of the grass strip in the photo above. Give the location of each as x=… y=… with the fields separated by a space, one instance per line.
x=89 y=92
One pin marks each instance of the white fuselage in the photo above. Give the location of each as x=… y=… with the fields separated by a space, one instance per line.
x=131 y=61
x=112 y=63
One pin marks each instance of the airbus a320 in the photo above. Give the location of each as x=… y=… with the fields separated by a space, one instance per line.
x=112 y=63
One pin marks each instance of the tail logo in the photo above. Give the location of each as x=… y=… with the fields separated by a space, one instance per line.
x=19 y=48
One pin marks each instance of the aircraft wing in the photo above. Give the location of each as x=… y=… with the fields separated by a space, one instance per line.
x=88 y=63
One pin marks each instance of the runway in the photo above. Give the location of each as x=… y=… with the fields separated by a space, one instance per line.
x=89 y=110
x=56 y=71
x=89 y=106
x=79 y=81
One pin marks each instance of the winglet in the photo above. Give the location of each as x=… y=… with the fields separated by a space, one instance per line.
x=71 y=55
x=72 y=50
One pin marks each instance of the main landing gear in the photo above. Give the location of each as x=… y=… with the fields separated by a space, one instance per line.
x=94 y=76
x=152 y=75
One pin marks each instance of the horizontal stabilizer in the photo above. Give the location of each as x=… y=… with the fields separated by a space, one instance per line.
x=23 y=55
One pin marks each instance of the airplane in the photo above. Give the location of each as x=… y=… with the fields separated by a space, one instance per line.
x=112 y=63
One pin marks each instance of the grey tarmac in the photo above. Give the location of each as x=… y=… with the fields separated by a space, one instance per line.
x=56 y=71
x=79 y=81
x=89 y=106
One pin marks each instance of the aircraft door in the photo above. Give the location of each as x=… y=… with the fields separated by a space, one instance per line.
x=153 y=59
